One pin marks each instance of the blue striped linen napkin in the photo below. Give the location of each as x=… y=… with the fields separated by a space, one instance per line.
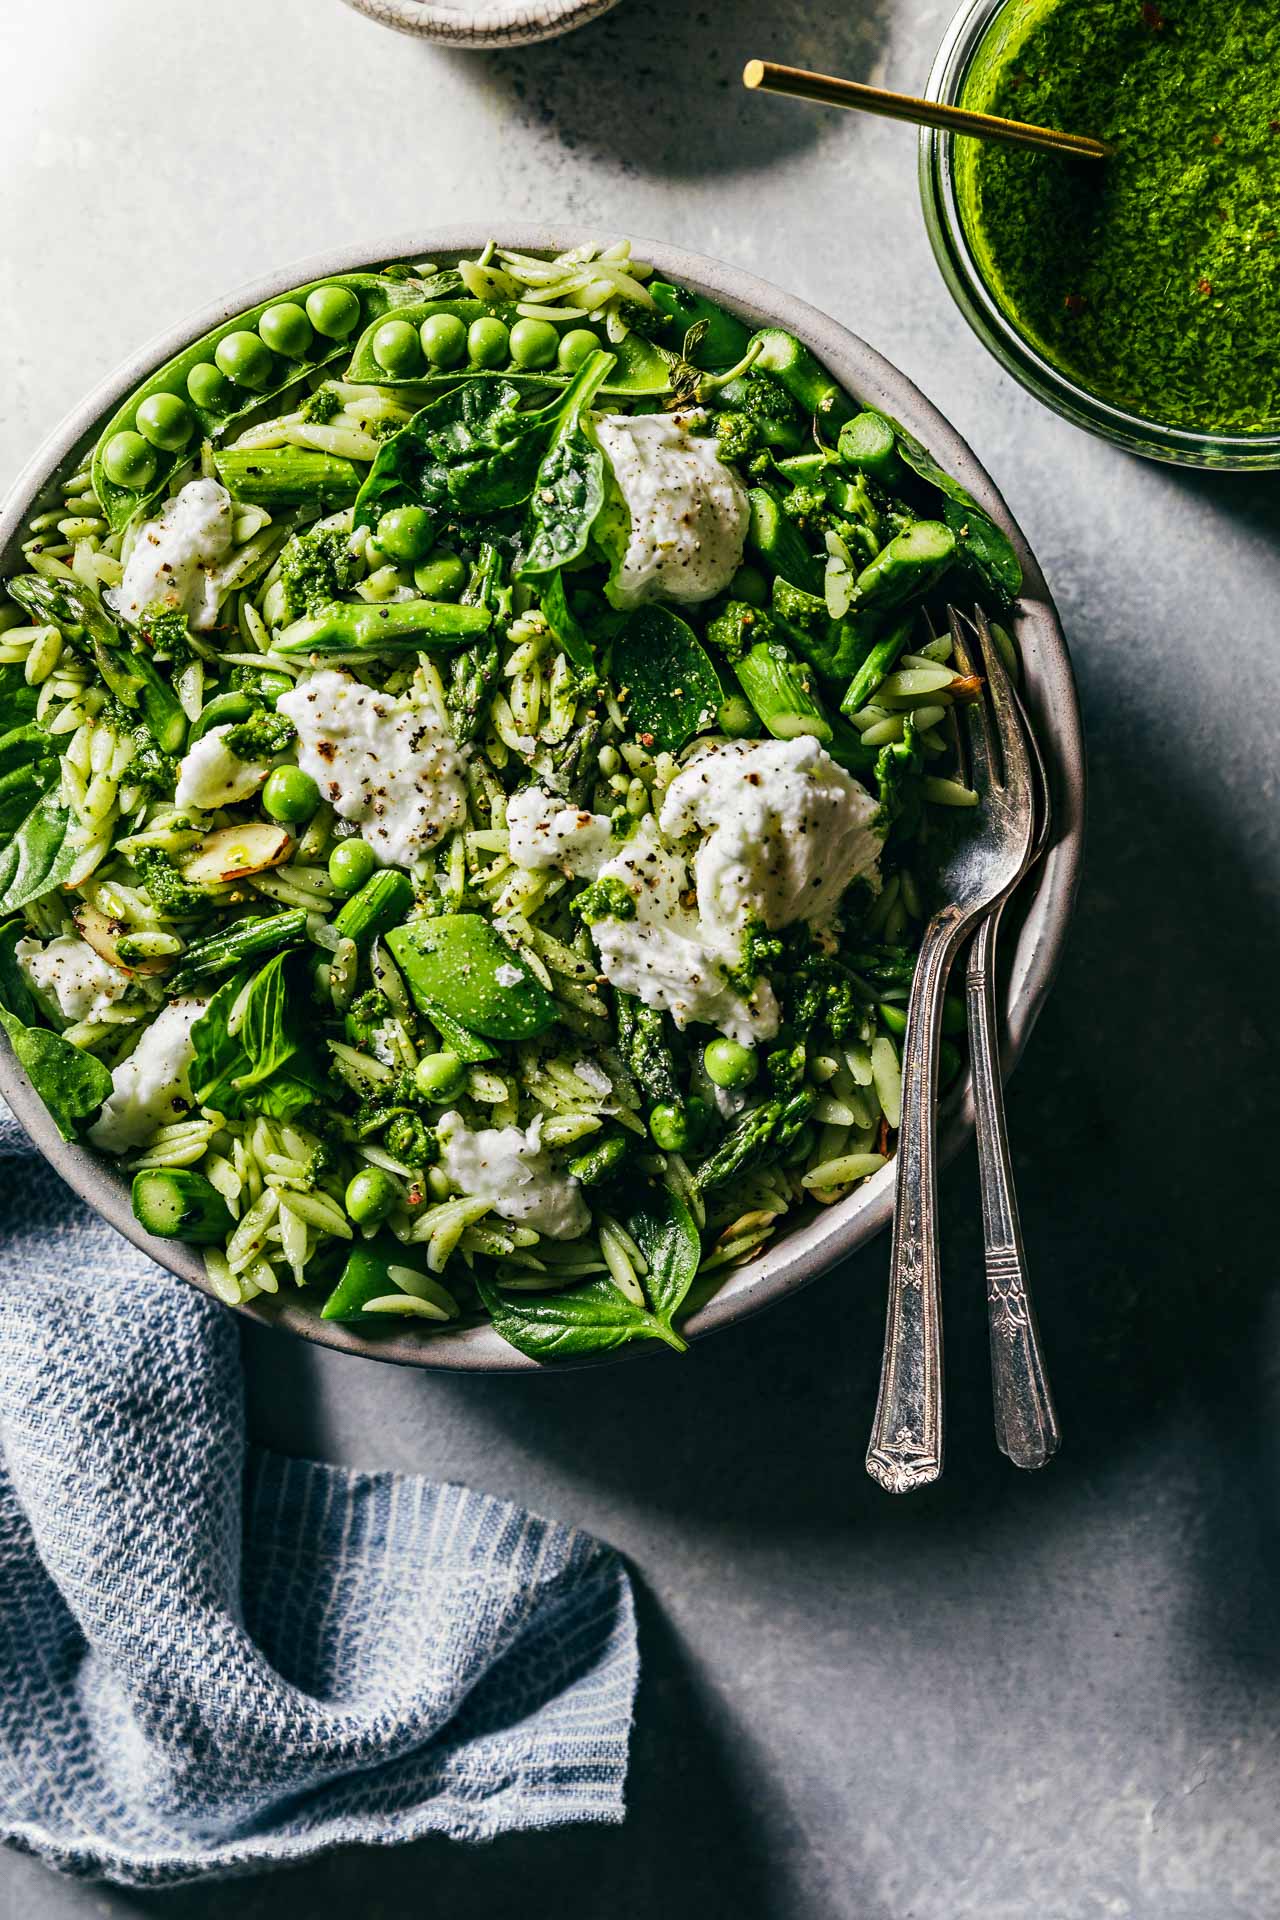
x=214 y=1659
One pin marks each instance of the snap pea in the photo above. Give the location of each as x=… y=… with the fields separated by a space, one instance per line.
x=249 y=939
x=227 y=373
x=781 y=691
x=803 y=376
x=224 y=710
x=778 y=543
x=367 y=1276
x=461 y=964
x=725 y=340
x=374 y=627
x=288 y=476
x=382 y=903
x=911 y=563
x=881 y=660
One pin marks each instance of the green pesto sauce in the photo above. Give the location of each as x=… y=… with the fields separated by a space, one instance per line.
x=1151 y=279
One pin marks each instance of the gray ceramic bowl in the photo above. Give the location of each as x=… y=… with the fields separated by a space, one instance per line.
x=483 y=23
x=1035 y=934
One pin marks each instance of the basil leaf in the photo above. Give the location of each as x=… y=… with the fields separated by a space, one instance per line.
x=673 y=689
x=266 y=1066
x=665 y=1232
x=570 y=489
x=593 y=1318
x=989 y=551
x=72 y=1084
x=40 y=855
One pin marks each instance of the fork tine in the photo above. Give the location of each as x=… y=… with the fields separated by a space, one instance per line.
x=984 y=771
x=1013 y=741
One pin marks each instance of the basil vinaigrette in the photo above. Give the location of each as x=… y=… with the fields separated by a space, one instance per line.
x=1150 y=278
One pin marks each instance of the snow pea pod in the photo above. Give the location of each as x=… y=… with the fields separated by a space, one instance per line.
x=725 y=338
x=404 y=360
x=227 y=373
x=459 y=963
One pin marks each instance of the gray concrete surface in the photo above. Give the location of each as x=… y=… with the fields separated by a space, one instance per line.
x=1011 y=1698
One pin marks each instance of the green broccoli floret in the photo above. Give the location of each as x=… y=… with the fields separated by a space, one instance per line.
x=165 y=886
x=150 y=767
x=763 y=397
x=261 y=735
x=761 y=952
x=824 y=993
x=738 y=436
x=606 y=899
x=739 y=628
x=316 y=568
x=323 y=1160
x=320 y=408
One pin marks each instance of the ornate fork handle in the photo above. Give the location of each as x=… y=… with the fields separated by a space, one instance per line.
x=906 y=1439
x=1026 y=1420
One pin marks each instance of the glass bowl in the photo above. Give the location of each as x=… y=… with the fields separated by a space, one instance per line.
x=975 y=32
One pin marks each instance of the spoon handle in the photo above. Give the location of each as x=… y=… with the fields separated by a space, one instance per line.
x=906 y=1439
x=1026 y=1420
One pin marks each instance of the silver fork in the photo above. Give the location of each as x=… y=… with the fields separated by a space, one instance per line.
x=981 y=870
x=1026 y=1420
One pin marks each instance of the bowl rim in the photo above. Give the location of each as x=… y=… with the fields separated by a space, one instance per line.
x=509 y=23
x=1138 y=433
x=819 y=1238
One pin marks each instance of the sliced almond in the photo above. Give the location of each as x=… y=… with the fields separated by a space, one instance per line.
x=103 y=935
x=233 y=853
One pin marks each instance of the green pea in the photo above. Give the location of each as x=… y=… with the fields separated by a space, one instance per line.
x=405 y=534
x=577 y=345
x=370 y=1196
x=676 y=1127
x=730 y=1064
x=440 y=1076
x=245 y=359
x=397 y=349
x=749 y=584
x=165 y=421
x=444 y=339
x=442 y=576
x=737 y=718
x=286 y=329
x=290 y=795
x=333 y=311
x=488 y=342
x=350 y=865
x=534 y=343
x=129 y=461
x=209 y=388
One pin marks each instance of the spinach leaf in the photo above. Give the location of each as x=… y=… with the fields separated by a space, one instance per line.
x=570 y=489
x=988 y=551
x=72 y=1084
x=570 y=634
x=673 y=689
x=471 y=451
x=266 y=1066
x=28 y=762
x=593 y=1318
x=664 y=1230
x=40 y=855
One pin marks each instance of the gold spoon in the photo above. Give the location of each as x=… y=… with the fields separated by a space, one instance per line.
x=765 y=76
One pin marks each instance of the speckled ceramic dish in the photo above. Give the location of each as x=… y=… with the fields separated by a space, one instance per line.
x=1035 y=934
x=483 y=23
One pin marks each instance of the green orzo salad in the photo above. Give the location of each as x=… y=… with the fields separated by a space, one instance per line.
x=470 y=742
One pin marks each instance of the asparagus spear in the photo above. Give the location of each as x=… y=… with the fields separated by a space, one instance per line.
x=180 y=1205
x=761 y=1135
x=282 y=476
x=384 y=627
x=249 y=939
x=781 y=691
x=128 y=672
